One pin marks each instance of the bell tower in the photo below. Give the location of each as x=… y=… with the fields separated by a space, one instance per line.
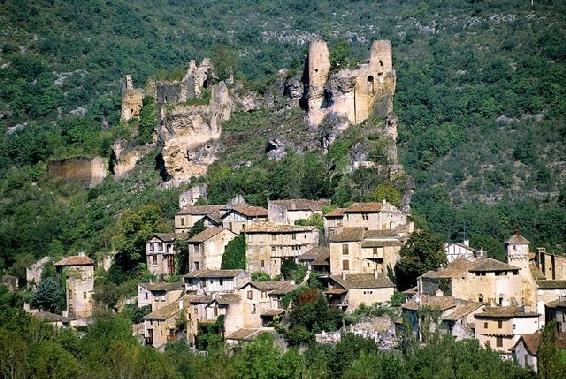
x=517 y=249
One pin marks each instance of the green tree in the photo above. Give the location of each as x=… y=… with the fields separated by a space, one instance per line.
x=50 y=360
x=148 y=120
x=49 y=296
x=235 y=253
x=339 y=54
x=423 y=252
x=548 y=356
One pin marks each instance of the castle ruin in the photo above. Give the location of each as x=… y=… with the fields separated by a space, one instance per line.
x=350 y=93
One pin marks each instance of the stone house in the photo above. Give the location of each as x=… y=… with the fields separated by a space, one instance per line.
x=160 y=254
x=357 y=250
x=190 y=197
x=290 y=210
x=349 y=291
x=556 y=311
x=456 y=250
x=268 y=244
x=162 y=326
x=501 y=327
x=207 y=247
x=187 y=217
x=317 y=259
x=483 y=280
x=553 y=266
x=159 y=294
x=239 y=217
x=371 y=216
x=442 y=314
x=228 y=305
x=79 y=271
x=195 y=314
x=34 y=272
x=215 y=281
x=262 y=301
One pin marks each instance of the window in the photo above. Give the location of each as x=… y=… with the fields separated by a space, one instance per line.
x=499 y=324
x=262 y=294
x=293 y=236
x=84 y=295
x=182 y=221
x=262 y=263
x=500 y=300
x=254 y=310
x=70 y=294
x=273 y=249
x=375 y=251
x=499 y=342
x=146 y=295
x=250 y=294
x=526 y=360
x=487 y=343
x=345 y=249
x=345 y=265
x=196 y=265
x=150 y=246
x=273 y=237
x=197 y=249
x=160 y=246
x=215 y=311
x=485 y=325
x=154 y=260
x=364 y=216
x=221 y=282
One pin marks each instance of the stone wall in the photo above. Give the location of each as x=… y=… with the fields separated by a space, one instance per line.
x=132 y=99
x=88 y=172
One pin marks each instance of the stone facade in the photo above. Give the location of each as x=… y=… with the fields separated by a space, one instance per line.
x=190 y=197
x=371 y=216
x=553 y=266
x=239 y=217
x=290 y=210
x=268 y=244
x=206 y=249
x=160 y=254
x=349 y=291
x=125 y=157
x=187 y=217
x=214 y=281
x=460 y=250
x=159 y=294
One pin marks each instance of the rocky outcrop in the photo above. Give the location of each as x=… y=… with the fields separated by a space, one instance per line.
x=88 y=172
x=187 y=131
x=125 y=157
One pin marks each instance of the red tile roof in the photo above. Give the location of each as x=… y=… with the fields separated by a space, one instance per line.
x=249 y=211
x=269 y=227
x=301 y=204
x=205 y=235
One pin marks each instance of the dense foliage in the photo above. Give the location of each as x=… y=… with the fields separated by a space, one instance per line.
x=107 y=349
x=235 y=253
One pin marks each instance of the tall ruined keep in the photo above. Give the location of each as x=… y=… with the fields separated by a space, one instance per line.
x=132 y=99
x=350 y=93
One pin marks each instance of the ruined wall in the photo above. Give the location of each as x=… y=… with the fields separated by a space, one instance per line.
x=88 y=172
x=353 y=94
x=189 y=87
x=132 y=99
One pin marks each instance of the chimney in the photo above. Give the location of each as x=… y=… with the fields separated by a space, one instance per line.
x=375 y=273
x=343 y=275
x=81 y=254
x=467 y=242
x=383 y=201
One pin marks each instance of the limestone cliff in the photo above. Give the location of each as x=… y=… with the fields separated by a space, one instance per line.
x=125 y=157
x=186 y=131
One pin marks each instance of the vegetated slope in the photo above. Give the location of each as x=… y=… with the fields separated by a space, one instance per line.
x=460 y=67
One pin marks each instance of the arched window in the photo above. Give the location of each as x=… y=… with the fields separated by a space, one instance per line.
x=480 y=298
x=500 y=300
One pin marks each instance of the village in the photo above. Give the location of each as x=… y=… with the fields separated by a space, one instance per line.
x=503 y=305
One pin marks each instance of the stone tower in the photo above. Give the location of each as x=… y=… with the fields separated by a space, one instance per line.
x=380 y=57
x=132 y=99
x=318 y=70
x=517 y=249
